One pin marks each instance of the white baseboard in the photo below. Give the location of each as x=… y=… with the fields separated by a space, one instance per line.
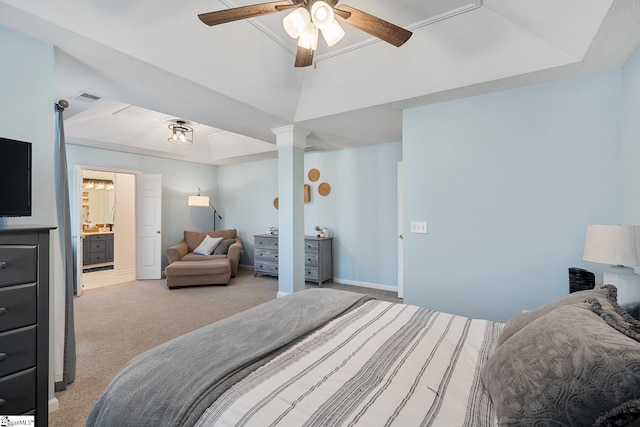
x=54 y=404
x=365 y=284
x=281 y=294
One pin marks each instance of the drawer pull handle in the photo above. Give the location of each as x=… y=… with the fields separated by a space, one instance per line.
x=3 y=356
x=3 y=265
x=3 y=311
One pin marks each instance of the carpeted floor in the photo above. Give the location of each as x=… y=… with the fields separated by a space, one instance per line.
x=116 y=323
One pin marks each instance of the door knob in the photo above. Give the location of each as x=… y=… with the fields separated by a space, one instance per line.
x=157 y=231
x=401 y=236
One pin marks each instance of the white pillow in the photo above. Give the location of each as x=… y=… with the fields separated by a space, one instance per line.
x=207 y=246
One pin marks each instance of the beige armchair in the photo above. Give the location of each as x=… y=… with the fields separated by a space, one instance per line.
x=187 y=268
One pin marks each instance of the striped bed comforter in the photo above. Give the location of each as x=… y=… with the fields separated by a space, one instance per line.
x=380 y=364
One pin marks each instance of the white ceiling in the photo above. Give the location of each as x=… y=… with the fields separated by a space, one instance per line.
x=151 y=62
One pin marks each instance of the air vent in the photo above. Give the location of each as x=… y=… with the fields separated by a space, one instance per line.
x=86 y=97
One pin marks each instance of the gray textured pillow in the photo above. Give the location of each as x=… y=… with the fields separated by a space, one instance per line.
x=568 y=367
x=607 y=295
x=223 y=247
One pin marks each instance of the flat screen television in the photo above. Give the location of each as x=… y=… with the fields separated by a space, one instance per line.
x=15 y=174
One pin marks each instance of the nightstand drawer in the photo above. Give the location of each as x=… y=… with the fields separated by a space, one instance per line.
x=17 y=350
x=18 y=264
x=18 y=393
x=17 y=307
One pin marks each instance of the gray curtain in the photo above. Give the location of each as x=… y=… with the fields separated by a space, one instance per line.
x=62 y=201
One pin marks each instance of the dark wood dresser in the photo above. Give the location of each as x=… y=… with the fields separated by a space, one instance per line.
x=24 y=321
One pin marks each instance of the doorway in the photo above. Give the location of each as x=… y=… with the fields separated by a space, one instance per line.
x=106 y=227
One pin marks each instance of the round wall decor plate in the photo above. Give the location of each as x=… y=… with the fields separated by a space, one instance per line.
x=324 y=189
x=313 y=175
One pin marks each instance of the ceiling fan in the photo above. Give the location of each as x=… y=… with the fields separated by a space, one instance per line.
x=307 y=17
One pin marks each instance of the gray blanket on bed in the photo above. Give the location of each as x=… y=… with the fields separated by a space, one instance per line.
x=174 y=383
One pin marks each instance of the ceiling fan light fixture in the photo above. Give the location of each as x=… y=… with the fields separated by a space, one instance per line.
x=181 y=134
x=309 y=38
x=296 y=22
x=333 y=33
x=322 y=14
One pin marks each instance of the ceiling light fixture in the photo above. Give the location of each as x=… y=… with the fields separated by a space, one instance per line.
x=181 y=134
x=306 y=17
x=296 y=22
x=304 y=26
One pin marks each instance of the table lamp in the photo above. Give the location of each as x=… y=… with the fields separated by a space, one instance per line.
x=619 y=246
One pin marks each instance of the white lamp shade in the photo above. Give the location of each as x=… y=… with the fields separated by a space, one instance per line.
x=333 y=33
x=613 y=244
x=296 y=22
x=200 y=201
x=321 y=14
x=309 y=38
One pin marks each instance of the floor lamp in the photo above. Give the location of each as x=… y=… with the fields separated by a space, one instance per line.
x=202 y=202
x=619 y=246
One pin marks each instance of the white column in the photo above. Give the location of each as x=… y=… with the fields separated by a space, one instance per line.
x=291 y=141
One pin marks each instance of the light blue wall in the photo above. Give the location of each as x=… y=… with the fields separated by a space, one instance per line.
x=508 y=183
x=360 y=210
x=179 y=180
x=631 y=139
x=26 y=114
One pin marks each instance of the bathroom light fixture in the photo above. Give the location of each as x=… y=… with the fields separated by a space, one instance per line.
x=181 y=134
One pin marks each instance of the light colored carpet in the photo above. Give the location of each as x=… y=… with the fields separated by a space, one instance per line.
x=117 y=322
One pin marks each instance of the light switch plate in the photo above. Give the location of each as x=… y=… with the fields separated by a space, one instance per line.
x=419 y=227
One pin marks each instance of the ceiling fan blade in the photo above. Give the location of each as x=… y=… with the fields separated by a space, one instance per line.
x=377 y=27
x=243 y=12
x=304 y=57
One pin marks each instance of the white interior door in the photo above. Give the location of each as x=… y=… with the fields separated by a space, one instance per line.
x=400 y=233
x=149 y=226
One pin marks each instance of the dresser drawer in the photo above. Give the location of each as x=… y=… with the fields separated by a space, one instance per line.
x=266 y=255
x=17 y=350
x=311 y=274
x=266 y=268
x=18 y=264
x=265 y=242
x=310 y=247
x=311 y=259
x=18 y=393
x=18 y=306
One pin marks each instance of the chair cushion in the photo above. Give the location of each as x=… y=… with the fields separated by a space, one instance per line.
x=223 y=247
x=194 y=238
x=198 y=268
x=207 y=245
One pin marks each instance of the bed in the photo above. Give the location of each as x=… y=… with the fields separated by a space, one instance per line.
x=326 y=357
